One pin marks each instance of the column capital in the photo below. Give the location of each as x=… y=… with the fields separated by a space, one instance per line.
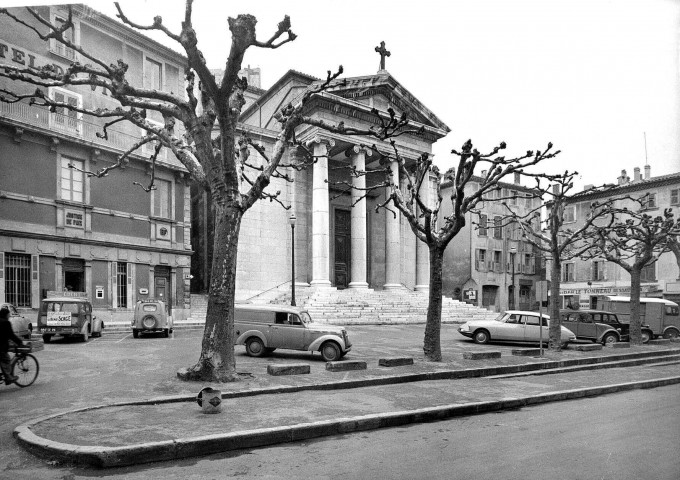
x=356 y=149
x=329 y=142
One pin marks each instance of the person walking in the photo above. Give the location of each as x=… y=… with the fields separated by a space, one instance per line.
x=7 y=334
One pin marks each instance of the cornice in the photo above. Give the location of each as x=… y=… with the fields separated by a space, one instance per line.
x=648 y=184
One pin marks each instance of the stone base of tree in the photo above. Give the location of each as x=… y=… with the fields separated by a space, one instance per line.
x=659 y=341
x=195 y=375
x=346 y=365
x=619 y=345
x=288 y=369
x=481 y=355
x=395 y=362
x=526 y=352
x=675 y=340
x=586 y=347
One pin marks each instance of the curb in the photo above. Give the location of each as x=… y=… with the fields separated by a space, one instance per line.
x=106 y=457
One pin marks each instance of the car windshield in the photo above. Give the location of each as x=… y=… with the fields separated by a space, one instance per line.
x=149 y=308
x=305 y=317
x=500 y=317
x=61 y=307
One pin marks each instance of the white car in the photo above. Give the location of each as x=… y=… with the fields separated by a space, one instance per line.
x=20 y=324
x=513 y=326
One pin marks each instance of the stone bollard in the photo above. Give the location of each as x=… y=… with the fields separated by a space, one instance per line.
x=210 y=400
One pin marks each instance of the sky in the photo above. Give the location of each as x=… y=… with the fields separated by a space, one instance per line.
x=600 y=79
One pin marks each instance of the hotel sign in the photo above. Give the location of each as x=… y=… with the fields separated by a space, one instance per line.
x=22 y=57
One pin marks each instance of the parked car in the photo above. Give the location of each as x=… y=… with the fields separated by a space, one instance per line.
x=150 y=317
x=264 y=328
x=68 y=316
x=512 y=326
x=661 y=315
x=599 y=326
x=21 y=325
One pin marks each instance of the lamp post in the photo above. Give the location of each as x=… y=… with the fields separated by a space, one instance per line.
x=512 y=251
x=291 y=220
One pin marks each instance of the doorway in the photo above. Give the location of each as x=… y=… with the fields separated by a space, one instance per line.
x=74 y=275
x=489 y=295
x=342 y=243
x=163 y=286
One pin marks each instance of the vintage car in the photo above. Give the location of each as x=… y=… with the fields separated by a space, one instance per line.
x=150 y=317
x=20 y=324
x=512 y=326
x=68 y=316
x=264 y=328
x=599 y=326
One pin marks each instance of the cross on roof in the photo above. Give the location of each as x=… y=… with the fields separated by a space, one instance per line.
x=383 y=53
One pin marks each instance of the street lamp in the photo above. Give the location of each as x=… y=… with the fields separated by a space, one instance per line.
x=512 y=251
x=291 y=220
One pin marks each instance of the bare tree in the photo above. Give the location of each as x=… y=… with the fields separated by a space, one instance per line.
x=427 y=221
x=633 y=240
x=674 y=246
x=559 y=243
x=217 y=164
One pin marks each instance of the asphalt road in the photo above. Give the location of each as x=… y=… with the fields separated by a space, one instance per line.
x=118 y=368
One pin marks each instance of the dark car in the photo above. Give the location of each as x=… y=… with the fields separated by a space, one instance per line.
x=599 y=326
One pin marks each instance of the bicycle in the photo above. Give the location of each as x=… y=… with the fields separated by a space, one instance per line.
x=24 y=366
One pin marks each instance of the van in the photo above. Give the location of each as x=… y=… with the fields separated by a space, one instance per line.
x=68 y=316
x=150 y=317
x=662 y=316
x=264 y=328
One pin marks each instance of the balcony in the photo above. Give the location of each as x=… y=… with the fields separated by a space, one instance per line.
x=77 y=129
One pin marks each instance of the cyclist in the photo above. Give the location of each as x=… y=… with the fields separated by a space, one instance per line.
x=7 y=334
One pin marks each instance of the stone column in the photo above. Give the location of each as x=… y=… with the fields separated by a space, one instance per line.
x=320 y=213
x=359 y=245
x=422 y=251
x=393 y=240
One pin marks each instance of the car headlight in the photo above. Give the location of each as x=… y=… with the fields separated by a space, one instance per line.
x=464 y=328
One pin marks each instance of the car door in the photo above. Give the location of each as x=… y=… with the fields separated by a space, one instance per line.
x=511 y=329
x=532 y=330
x=587 y=328
x=290 y=333
x=570 y=322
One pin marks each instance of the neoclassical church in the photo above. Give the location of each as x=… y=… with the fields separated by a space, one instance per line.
x=340 y=239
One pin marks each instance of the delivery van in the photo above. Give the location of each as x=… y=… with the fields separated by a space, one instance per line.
x=662 y=316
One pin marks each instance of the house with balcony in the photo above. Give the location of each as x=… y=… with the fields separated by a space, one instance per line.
x=584 y=283
x=63 y=230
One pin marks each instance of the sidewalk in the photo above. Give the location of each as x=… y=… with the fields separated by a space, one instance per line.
x=290 y=408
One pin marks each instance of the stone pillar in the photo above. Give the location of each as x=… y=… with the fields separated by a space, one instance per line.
x=393 y=240
x=422 y=251
x=359 y=245
x=320 y=214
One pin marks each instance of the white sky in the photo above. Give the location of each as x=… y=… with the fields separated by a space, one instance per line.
x=589 y=75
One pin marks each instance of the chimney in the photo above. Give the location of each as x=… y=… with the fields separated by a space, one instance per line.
x=623 y=179
x=647 y=171
x=590 y=186
x=636 y=174
x=517 y=178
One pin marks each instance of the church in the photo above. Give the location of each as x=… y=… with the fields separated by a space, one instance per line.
x=340 y=239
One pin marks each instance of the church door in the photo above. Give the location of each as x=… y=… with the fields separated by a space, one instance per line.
x=342 y=247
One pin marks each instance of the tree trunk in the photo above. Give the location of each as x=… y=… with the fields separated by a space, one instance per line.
x=432 y=343
x=635 y=322
x=217 y=362
x=554 y=331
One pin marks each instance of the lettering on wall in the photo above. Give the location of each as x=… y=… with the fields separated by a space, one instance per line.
x=22 y=57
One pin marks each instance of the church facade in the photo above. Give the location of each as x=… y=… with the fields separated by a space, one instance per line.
x=340 y=239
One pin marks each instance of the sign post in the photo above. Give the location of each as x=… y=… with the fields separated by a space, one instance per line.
x=541 y=296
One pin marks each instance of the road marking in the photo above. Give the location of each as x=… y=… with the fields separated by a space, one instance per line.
x=126 y=336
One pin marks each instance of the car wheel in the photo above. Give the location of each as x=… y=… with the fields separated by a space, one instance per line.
x=135 y=333
x=47 y=338
x=610 y=339
x=647 y=336
x=671 y=333
x=330 y=351
x=255 y=347
x=481 y=337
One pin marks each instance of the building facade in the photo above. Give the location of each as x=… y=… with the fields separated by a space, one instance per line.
x=488 y=263
x=585 y=282
x=340 y=239
x=62 y=230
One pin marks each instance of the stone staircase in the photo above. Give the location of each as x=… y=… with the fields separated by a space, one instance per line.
x=365 y=306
